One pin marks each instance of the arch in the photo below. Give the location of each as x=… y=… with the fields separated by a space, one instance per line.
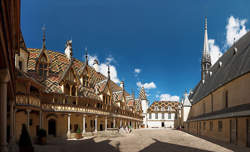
x=52 y=127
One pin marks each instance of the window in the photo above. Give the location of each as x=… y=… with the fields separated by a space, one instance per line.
x=150 y=116
x=43 y=67
x=175 y=116
x=220 y=126
x=156 y=108
x=20 y=65
x=162 y=116
x=169 y=108
x=204 y=108
x=204 y=125
x=211 y=125
x=156 y=115
x=162 y=108
x=212 y=102
x=169 y=115
x=226 y=99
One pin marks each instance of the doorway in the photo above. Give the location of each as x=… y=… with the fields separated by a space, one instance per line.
x=52 y=127
x=162 y=124
x=233 y=131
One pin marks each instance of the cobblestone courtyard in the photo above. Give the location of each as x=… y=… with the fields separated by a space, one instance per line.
x=142 y=140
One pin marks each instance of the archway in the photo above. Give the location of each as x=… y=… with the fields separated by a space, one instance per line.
x=52 y=127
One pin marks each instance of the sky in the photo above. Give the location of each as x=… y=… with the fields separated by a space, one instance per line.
x=155 y=44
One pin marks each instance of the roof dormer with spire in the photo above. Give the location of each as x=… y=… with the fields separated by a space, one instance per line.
x=142 y=94
x=206 y=59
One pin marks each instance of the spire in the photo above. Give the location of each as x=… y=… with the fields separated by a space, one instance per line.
x=86 y=56
x=68 y=50
x=206 y=59
x=43 y=29
x=108 y=72
x=205 y=47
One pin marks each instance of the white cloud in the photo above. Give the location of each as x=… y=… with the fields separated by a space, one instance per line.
x=214 y=51
x=168 y=97
x=103 y=67
x=137 y=70
x=236 y=28
x=150 y=85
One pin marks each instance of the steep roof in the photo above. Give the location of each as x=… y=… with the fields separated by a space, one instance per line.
x=173 y=104
x=59 y=64
x=142 y=94
x=230 y=66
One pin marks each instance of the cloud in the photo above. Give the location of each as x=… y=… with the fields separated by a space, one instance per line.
x=168 y=97
x=103 y=67
x=137 y=70
x=150 y=85
x=236 y=28
x=214 y=51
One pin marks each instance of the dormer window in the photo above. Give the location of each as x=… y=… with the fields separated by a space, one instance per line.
x=169 y=108
x=20 y=64
x=43 y=67
x=162 y=108
x=156 y=108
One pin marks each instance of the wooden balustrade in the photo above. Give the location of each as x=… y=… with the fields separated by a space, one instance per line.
x=60 y=102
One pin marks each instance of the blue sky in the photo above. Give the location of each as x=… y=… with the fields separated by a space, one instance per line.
x=164 y=39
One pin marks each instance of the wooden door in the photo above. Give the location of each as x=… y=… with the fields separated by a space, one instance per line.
x=233 y=131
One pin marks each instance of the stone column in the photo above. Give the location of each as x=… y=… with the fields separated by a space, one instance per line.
x=106 y=123
x=68 y=132
x=12 y=144
x=120 y=123
x=41 y=119
x=83 y=123
x=96 y=123
x=113 y=122
x=4 y=79
x=28 y=119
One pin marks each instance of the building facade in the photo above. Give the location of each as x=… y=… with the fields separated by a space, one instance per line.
x=221 y=100
x=61 y=94
x=163 y=114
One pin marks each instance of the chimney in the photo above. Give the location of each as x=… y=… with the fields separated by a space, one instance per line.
x=122 y=85
x=96 y=65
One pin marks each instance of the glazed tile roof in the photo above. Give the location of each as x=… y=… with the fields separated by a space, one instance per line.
x=229 y=67
x=57 y=67
x=164 y=106
x=142 y=94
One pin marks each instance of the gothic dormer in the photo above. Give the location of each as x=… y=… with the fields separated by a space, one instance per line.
x=206 y=59
x=43 y=61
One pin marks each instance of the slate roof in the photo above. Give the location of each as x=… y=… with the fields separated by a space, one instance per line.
x=229 y=67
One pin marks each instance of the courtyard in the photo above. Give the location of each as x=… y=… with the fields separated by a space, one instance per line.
x=141 y=140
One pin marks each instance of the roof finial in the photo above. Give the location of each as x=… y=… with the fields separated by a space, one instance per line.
x=86 y=55
x=205 y=23
x=108 y=72
x=43 y=29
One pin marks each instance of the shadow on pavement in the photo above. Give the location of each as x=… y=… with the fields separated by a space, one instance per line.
x=89 y=145
x=232 y=147
x=159 y=146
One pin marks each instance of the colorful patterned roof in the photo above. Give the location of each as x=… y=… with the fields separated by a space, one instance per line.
x=163 y=106
x=58 y=66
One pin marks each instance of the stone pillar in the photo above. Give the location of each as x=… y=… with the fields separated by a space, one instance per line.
x=106 y=123
x=68 y=132
x=4 y=79
x=120 y=123
x=41 y=120
x=83 y=123
x=113 y=122
x=96 y=123
x=28 y=119
x=12 y=144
